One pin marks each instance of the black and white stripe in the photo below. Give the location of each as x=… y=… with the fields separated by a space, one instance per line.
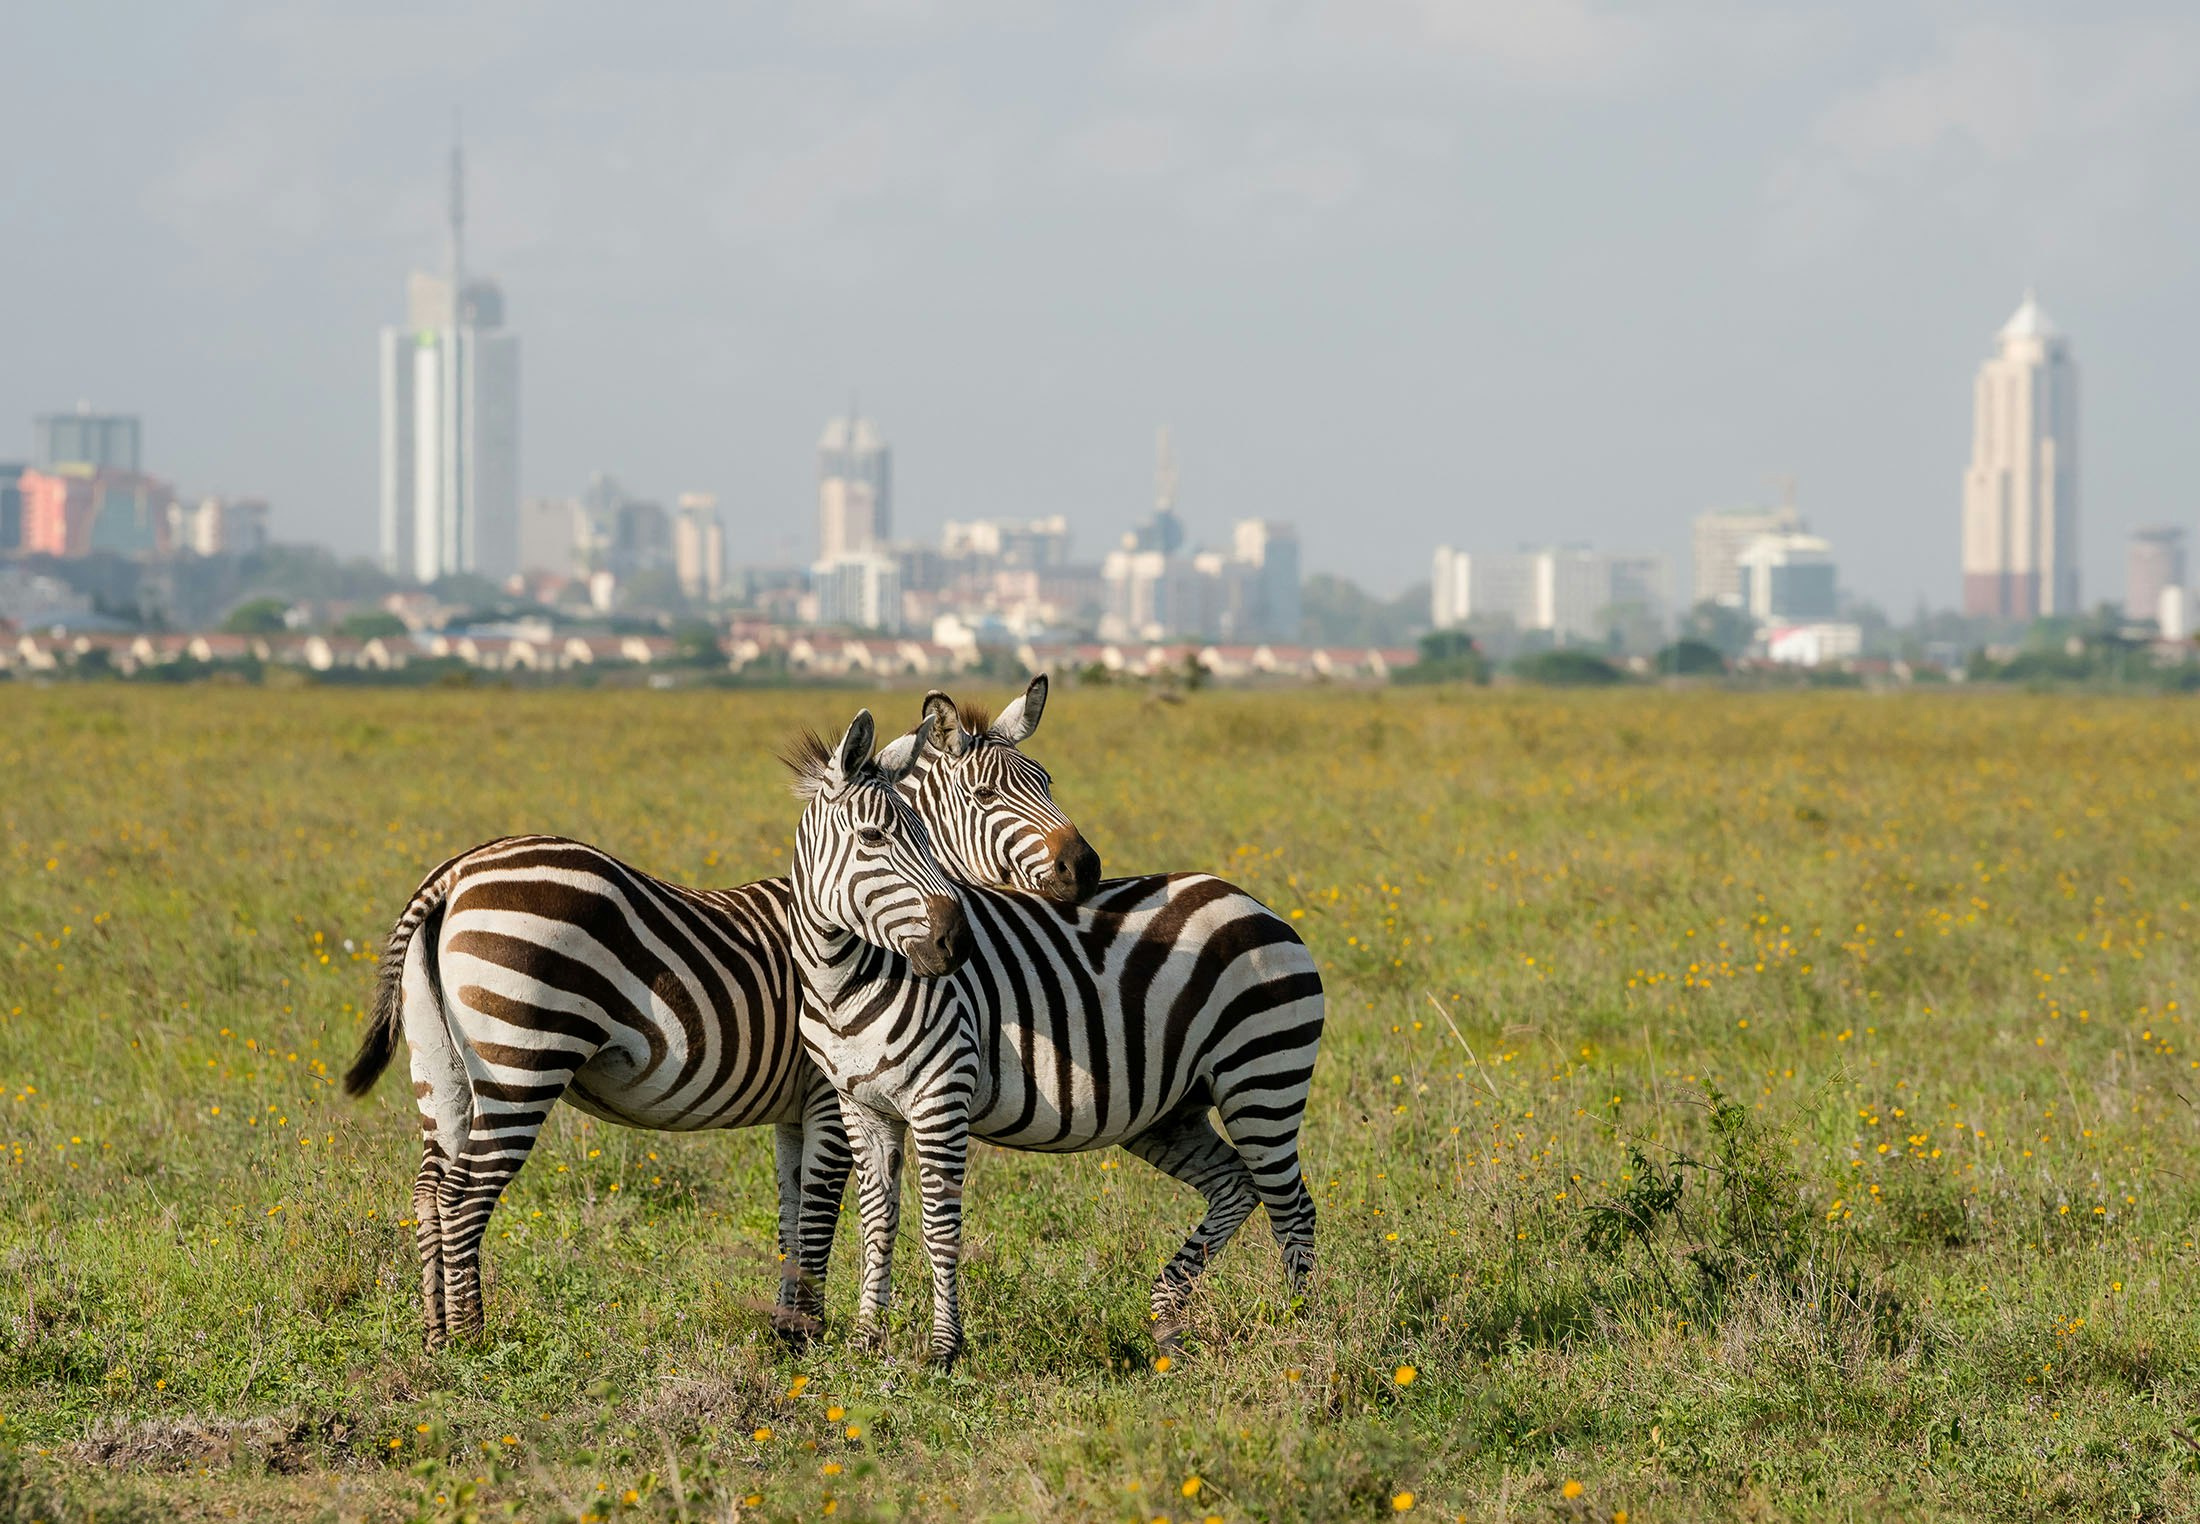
x=1121 y=1021
x=535 y=968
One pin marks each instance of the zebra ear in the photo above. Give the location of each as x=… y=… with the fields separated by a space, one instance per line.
x=1021 y=718
x=944 y=725
x=896 y=758
x=854 y=749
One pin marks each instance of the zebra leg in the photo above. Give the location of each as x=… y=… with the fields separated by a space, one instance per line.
x=788 y=1320
x=498 y=1146
x=824 y=1185
x=876 y=1139
x=943 y=1155
x=428 y=1237
x=813 y=1177
x=445 y=1099
x=1269 y=1144
x=1188 y=1148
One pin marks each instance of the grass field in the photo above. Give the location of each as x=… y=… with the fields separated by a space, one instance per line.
x=1940 y=1262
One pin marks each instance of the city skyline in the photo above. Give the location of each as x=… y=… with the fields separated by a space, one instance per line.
x=1278 y=230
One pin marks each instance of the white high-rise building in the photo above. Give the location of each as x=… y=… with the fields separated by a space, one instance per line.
x=450 y=425
x=855 y=488
x=2020 y=496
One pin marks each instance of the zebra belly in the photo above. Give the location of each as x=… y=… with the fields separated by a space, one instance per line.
x=600 y=1096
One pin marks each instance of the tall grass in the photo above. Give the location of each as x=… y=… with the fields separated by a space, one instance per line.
x=1756 y=1106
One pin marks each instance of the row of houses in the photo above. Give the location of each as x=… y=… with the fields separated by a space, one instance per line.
x=796 y=653
x=129 y=654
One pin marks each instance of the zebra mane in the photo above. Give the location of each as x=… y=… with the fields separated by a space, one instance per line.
x=975 y=718
x=810 y=758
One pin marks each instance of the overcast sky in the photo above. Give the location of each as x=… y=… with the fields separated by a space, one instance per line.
x=1479 y=272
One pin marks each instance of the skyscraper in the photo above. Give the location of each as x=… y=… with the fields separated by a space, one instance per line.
x=855 y=488
x=2020 y=496
x=450 y=423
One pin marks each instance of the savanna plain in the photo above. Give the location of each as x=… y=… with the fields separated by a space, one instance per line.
x=1732 y=1105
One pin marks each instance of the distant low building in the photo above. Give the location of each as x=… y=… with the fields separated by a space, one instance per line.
x=1816 y=644
x=31 y=601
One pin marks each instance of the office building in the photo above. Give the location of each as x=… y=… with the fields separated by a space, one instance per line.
x=221 y=526
x=550 y=536
x=2154 y=564
x=80 y=510
x=2020 y=495
x=1033 y=544
x=699 y=548
x=103 y=441
x=1262 y=577
x=861 y=591
x=855 y=488
x=1569 y=592
x=1148 y=595
x=1788 y=578
x=641 y=539
x=450 y=424
x=1719 y=540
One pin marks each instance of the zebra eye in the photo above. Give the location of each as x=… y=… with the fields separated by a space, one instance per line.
x=985 y=793
x=871 y=836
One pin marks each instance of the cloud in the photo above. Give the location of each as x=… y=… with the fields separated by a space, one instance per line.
x=2061 y=131
x=1551 y=44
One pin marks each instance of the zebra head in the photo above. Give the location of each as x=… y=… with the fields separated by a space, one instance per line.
x=989 y=807
x=863 y=863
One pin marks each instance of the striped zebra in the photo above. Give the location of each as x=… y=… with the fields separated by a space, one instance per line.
x=534 y=968
x=1121 y=1021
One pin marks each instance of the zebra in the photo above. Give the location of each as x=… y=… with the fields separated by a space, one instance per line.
x=532 y=969
x=1123 y=1020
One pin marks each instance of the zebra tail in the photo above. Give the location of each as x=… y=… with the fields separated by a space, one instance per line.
x=380 y=1041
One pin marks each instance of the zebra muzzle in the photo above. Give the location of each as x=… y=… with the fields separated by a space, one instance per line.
x=946 y=939
x=1075 y=870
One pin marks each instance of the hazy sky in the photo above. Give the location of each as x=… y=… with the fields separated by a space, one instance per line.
x=1479 y=272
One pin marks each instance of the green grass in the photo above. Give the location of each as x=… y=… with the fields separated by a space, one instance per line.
x=1938 y=947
